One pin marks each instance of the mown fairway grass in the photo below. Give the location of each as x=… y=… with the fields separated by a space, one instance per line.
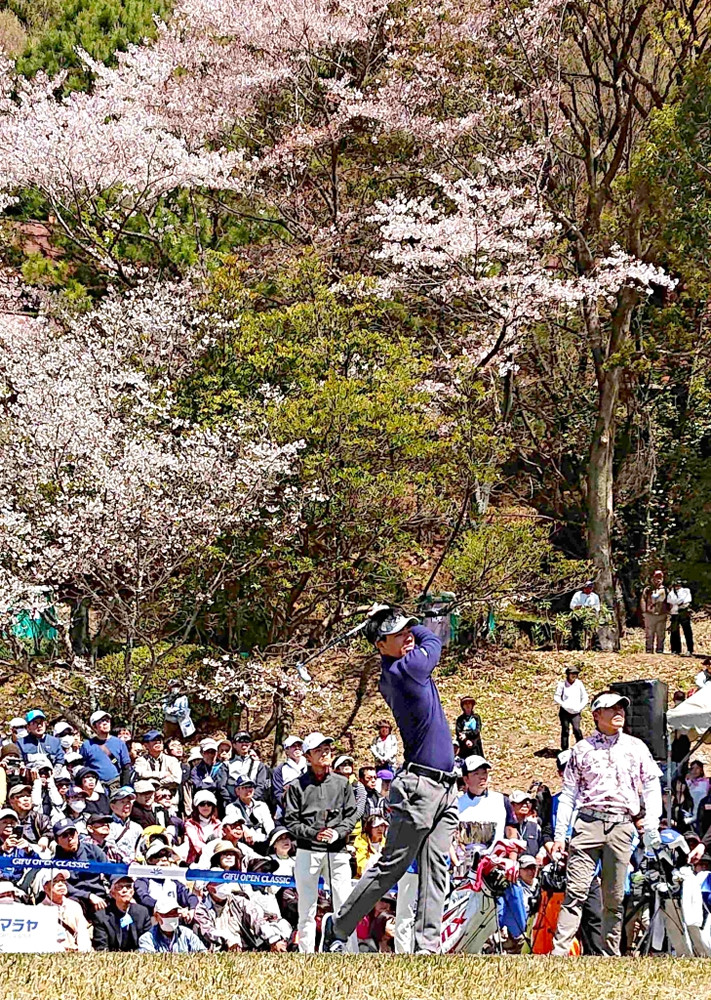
x=266 y=977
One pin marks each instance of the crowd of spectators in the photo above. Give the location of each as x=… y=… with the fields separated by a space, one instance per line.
x=155 y=800
x=114 y=797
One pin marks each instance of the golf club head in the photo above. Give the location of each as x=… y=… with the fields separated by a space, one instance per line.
x=303 y=673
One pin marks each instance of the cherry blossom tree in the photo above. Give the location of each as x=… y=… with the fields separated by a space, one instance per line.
x=469 y=154
x=110 y=502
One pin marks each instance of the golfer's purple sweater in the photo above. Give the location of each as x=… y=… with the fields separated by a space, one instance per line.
x=407 y=686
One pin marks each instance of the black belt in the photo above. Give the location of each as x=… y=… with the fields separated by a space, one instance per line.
x=442 y=777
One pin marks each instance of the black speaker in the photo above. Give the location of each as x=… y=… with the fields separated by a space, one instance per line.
x=647 y=714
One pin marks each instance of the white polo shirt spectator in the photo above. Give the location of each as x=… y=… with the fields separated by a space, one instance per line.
x=483 y=810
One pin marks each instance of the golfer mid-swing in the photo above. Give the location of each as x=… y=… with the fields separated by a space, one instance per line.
x=423 y=794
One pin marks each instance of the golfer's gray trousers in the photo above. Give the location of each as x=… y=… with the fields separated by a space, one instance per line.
x=423 y=821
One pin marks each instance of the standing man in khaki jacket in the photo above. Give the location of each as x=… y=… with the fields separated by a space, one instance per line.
x=655 y=610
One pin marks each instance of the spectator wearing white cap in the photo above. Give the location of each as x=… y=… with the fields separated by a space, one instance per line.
x=204 y=824
x=18 y=728
x=286 y=772
x=483 y=813
x=9 y=893
x=233 y=827
x=168 y=934
x=13 y=844
x=608 y=780
x=67 y=735
x=45 y=795
x=320 y=813
x=106 y=754
x=142 y=811
x=527 y=823
x=73 y=928
x=160 y=854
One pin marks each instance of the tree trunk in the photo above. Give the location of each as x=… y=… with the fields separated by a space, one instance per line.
x=600 y=501
x=601 y=472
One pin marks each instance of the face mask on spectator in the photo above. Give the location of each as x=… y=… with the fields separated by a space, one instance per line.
x=169 y=924
x=66 y=741
x=77 y=805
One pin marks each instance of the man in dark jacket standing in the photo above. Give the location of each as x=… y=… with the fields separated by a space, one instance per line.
x=119 y=926
x=319 y=812
x=86 y=887
x=423 y=796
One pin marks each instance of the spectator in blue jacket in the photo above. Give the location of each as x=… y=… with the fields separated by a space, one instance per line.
x=105 y=754
x=38 y=742
x=168 y=934
x=88 y=888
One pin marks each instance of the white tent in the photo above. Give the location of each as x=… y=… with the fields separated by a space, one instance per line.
x=693 y=716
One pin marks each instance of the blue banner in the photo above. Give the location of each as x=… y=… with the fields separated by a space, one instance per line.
x=136 y=870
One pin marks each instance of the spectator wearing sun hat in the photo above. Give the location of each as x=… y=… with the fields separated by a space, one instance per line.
x=38 y=741
x=106 y=754
x=204 y=823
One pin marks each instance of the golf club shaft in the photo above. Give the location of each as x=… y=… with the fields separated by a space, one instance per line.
x=334 y=642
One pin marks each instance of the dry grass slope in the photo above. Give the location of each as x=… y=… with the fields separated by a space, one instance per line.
x=265 y=977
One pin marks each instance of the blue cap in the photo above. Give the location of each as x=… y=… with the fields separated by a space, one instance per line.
x=36 y=713
x=121 y=793
x=151 y=736
x=385 y=774
x=244 y=782
x=63 y=826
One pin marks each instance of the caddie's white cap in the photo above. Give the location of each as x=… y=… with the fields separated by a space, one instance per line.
x=290 y=741
x=608 y=700
x=474 y=762
x=97 y=716
x=314 y=740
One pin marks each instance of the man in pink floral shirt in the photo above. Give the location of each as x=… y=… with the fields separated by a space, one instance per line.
x=610 y=779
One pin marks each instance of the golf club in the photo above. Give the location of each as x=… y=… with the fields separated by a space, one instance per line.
x=300 y=667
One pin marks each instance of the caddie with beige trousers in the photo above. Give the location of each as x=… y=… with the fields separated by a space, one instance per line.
x=607 y=779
